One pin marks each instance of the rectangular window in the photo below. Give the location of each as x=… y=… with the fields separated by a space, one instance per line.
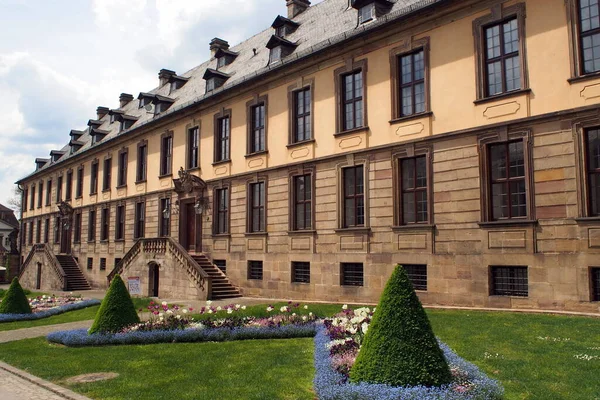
x=57 y=229
x=79 y=189
x=412 y=83
x=193 y=148
x=222 y=139
x=49 y=192
x=104 y=223
x=352 y=274
x=352 y=100
x=107 y=172
x=257 y=207
x=302 y=115
x=417 y=274
x=30 y=237
x=142 y=159
x=595 y=283
x=255 y=270
x=47 y=231
x=366 y=13
x=38 y=231
x=221 y=264
x=94 y=178
x=222 y=210
x=59 y=183
x=257 y=138
x=140 y=220
x=117 y=261
x=77 y=227
x=120 y=223
x=507 y=180
x=414 y=202
x=122 y=168
x=90 y=263
x=502 y=63
x=102 y=264
x=354 y=197
x=302 y=195
x=300 y=272
x=40 y=191
x=166 y=155
x=69 y=186
x=589 y=27
x=509 y=281
x=32 y=200
x=92 y=226
x=592 y=144
x=165 y=216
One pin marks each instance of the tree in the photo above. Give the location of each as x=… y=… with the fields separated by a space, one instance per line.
x=116 y=311
x=15 y=301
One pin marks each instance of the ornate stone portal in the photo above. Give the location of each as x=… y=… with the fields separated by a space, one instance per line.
x=192 y=203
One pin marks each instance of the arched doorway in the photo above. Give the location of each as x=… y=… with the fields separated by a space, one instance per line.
x=153 y=279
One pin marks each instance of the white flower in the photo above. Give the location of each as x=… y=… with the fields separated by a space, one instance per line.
x=269 y=309
x=169 y=312
x=229 y=311
x=164 y=303
x=237 y=306
x=161 y=315
x=178 y=316
x=304 y=318
x=185 y=311
x=293 y=314
x=364 y=327
x=310 y=314
x=283 y=309
x=243 y=307
x=210 y=311
x=306 y=307
x=345 y=307
x=208 y=302
x=219 y=308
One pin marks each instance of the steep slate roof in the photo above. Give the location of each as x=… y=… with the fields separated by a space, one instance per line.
x=321 y=26
x=8 y=216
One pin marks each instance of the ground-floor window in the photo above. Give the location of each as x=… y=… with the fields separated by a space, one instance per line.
x=300 y=272
x=595 y=275
x=509 y=281
x=90 y=263
x=417 y=274
x=102 y=264
x=255 y=270
x=352 y=274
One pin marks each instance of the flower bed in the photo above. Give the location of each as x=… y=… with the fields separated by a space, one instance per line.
x=337 y=343
x=47 y=306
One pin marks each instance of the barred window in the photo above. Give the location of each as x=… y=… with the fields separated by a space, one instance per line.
x=352 y=274
x=102 y=264
x=221 y=264
x=90 y=263
x=509 y=281
x=300 y=272
x=255 y=270
x=595 y=287
x=417 y=274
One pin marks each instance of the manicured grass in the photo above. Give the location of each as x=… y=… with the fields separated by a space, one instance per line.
x=505 y=345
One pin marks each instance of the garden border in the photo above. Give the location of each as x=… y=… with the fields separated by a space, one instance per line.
x=50 y=312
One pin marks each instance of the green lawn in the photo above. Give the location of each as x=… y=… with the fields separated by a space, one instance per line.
x=507 y=346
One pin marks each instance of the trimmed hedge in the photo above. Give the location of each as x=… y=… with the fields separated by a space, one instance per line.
x=80 y=337
x=400 y=349
x=117 y=310
x=49 y=312
x=15 y=301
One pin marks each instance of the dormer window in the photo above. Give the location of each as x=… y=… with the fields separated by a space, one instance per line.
x=366 y=13
x=225 y=57
x=145 y=99
x=97 y=135
x=75 y=146
x=55 y=155
x=284 y=26
x=279 y=48
x=177 y=82
x=369 y=10
x=221 y=62
x=127 y=122
x=275 y=55
x=280 y=31
x=214 y=79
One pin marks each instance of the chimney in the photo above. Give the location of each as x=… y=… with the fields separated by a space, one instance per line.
x=296 y=7
x=101 y=112
x=124 y=99
x=217 y=44
x=164 y=76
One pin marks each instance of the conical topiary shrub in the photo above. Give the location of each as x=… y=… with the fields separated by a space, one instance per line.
x=15 y=301
x=400 y=348
x=116 y=311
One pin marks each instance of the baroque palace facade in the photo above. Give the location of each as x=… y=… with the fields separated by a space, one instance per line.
x=458 y=138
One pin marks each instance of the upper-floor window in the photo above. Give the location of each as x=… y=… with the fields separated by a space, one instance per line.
x=38 y=232
x=507 y=180
x=122 y=168
x=94 y=177
x=59 y=184
x=592 y=144
x=49 y=192
x=257 y=207
x=69 y=186
x=257 y=133
x=353 y=213
x=104 y=223
x=139 y=227
x=302 y=202
x=142 y=160
x=221 y=211
x=107 y=172
x=30 y=237
x=79 y=188
x=222 y=138
x=302 y=115
x=120 y=223
x=414 y=188
x=166 y=154
x=589 y=23
x=193 y=147
x=40 y=190
x=412 y=83
x=366 y=13
x=352 y=100
x=32 y=201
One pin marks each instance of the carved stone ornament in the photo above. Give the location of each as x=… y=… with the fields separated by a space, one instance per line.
x=65 y=209
x=188 y=183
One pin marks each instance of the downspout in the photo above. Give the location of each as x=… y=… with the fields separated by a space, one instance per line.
x=22 y=189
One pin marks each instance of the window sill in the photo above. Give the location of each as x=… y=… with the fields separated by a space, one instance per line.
x=169 y=175
x=301 y=283
x=588 y=220
x=106 y=190
x=104 y=241
x=411 y=117
x=192 y=169
x=506 y=95
x=258 y=153
x=510 y=296
x=515 y=222
x=140 y=182
x=302 y=143
x=307 y=232
x=119 y=240
x=351 y=131
x=228 y=161
x=586 y=77
x=93 y=193
x=357 y=229
x=414 y=227
x=91 y=242
x=265 y=234
x=221 y=235
x=122 y=186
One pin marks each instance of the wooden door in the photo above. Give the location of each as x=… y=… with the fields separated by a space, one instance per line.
x=190 y=227
x=65 y=239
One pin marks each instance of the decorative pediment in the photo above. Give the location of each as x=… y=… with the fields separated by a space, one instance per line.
x=188 y=183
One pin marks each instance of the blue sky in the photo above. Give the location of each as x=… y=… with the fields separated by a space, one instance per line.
x=61 y=59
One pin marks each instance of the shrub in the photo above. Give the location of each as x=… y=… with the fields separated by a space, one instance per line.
x=15 y=301
x=399 y=348
x=116 y=311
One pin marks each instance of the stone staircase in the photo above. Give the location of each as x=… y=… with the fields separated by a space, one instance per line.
x=74 y=276
x=221 y=286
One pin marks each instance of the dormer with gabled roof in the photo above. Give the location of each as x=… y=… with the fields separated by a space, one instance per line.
x=75 y=145
x=75 y=134
x=55 y=155
x=97 y=135
x=279 y=48
x=94 y=123
x=161 y=103
x=41 y=162
x=368 y=10
x=284 y=26
x=214 y=79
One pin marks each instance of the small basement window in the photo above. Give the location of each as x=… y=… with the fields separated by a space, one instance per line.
x=352 y=274
x=255 y=270
x=509 y=281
